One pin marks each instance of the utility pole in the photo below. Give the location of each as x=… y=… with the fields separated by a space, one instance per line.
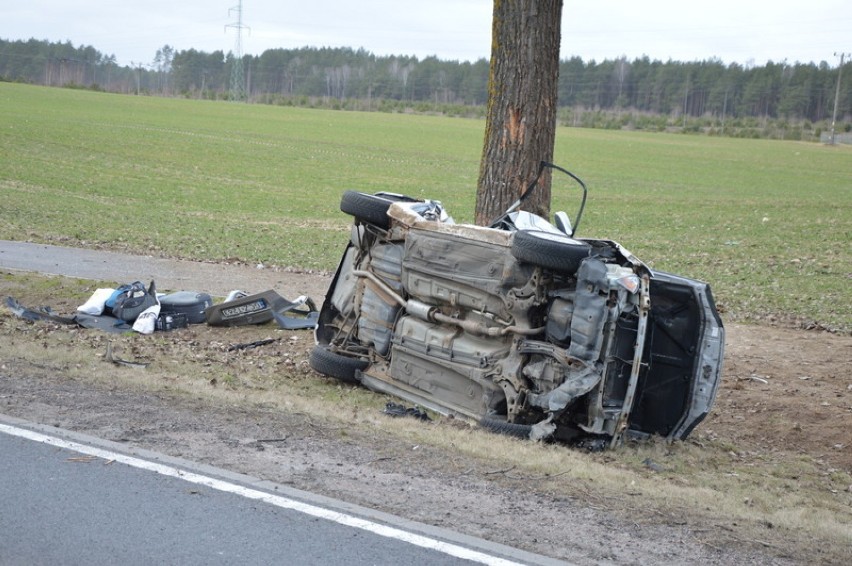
x=836 y=95
x=238 y=79
x=138 y=74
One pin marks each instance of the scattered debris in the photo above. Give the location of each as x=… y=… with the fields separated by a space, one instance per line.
x=117 y=361
x=503 y=471
x=181 y=309
x=250 y=345
x=41 y=313
x=81 y=459
x=542 y=430
x=593 y=444
x=397 y=410
x=261 y=308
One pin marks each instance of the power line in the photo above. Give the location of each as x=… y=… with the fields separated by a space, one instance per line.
x=238 y=79
x=837 y=94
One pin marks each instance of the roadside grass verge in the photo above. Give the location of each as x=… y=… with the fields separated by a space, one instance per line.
x=786 y=503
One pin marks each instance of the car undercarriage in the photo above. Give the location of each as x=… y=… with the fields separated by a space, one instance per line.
x=520 y=327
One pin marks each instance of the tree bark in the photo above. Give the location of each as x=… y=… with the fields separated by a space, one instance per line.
x=520 y=126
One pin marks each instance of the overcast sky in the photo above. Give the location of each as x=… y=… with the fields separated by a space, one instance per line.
x=741 y=31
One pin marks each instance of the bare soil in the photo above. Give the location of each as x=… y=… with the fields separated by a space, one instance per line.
x=786 y=393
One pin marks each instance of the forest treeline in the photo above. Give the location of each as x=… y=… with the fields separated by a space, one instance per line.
x=792 y=100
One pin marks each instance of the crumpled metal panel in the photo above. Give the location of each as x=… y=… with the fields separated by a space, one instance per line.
x=590 y=311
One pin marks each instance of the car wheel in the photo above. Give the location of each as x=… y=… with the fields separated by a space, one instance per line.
x=553 y=251
x=336 y=365
x=508 y=429
x=367 y=208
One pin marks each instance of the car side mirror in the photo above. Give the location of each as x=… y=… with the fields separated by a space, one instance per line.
x=563 y=223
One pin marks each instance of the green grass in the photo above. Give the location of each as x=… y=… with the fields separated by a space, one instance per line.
x=767 y=223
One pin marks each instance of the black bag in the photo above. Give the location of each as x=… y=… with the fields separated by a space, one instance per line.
x=171 y=321
x=130 y=303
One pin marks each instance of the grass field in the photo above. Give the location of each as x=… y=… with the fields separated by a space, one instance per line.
x=767 y=223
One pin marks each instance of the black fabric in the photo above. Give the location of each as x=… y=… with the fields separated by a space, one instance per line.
x=397 y=410
x=103 y=322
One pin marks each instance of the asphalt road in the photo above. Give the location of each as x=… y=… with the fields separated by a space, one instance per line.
x=99 y=265
x=71 y=499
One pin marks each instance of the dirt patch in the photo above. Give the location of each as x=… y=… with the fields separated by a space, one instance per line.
x=786 y=394
x=786 y=391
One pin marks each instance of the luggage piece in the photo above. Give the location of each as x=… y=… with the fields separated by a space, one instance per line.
x=190 y=303
x=131 y=302
x=171 y=321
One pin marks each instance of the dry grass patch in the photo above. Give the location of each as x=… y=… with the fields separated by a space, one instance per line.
x=771 y=499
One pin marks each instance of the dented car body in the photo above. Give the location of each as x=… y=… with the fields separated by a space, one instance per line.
x=519 y=326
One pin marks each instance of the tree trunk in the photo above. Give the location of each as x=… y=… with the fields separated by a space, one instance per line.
x=520 y=127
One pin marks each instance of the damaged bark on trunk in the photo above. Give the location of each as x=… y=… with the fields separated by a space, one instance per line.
x=521 y=120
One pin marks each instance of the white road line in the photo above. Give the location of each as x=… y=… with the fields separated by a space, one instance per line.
x=277 y=500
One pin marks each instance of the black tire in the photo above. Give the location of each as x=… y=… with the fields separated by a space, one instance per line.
x=367 y=208
x=336 y=365
x=508 y=429
x=553 y=251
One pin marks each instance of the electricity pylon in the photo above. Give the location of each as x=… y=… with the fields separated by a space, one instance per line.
x=238 y=78
x=836 y=95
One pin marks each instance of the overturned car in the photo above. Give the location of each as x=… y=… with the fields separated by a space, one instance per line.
x=520 y=326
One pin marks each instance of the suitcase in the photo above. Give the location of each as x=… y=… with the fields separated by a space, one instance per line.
x=190 y=303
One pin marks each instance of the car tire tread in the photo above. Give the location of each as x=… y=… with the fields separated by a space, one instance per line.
x=335 y=365
x=367 y=208
x=563 y=254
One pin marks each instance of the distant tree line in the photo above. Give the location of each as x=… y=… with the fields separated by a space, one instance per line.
x=640 y=93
